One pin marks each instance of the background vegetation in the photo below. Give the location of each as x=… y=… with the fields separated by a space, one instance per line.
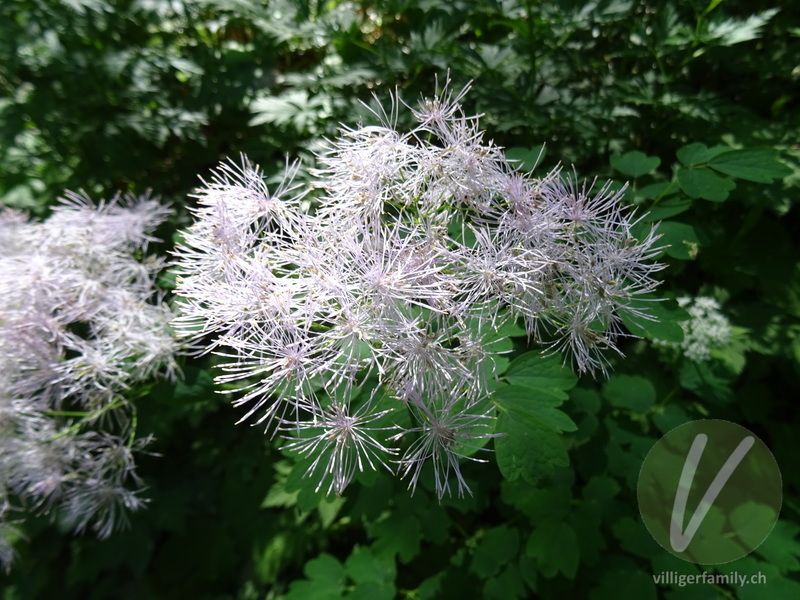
x=129 y=95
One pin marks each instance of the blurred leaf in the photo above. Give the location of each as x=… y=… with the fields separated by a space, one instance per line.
x=704 y=183
x=707 y=380
x=325 y=568
x=537 y=407
x=399 y=534
x=372 y=590
x=636 y=539
x=373 y=575
x=624 y=581
x=635 y=163
x=633 y=392
x=497 y=547
x=657 y=190
x=750 y=520
x=547 y=536
x=698 y=154
x=664 y=324
x=525 y=159
x=765 y=581
x=728 y=32
x=362 y=566
x=681 y=240
x=528 y=452
x=782 y=546
x=507 y=585
x=535 y=370
x=294 y=108
x=753 y=164
x=668 y=208
x=325 y=580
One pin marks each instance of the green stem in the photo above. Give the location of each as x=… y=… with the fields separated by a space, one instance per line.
x=86 y=416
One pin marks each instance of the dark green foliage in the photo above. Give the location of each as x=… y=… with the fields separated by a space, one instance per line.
x=694 y=104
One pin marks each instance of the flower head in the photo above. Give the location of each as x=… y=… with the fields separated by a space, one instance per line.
x=418 y=247
x=706 y=330
x=341 y=442
x=82 y=320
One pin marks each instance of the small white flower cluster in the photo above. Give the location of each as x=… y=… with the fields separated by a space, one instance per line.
x=418 y=248
x=707 y=330
x=80 y=322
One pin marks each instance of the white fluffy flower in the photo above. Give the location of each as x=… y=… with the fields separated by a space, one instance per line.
x=420 y=246
x=707 y=329
x=81 y=321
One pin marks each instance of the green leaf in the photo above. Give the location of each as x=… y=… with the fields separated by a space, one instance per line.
x=624 y=580
x=711 y=6
x=194 y=385
x=325 y=568
x=697 y=154
x=542 y=504
x=535 y=370
x=664 y=561
x=667 y=208
x=325 y=580
x=430 y=588
x=635 y=539
x=508 y=329
x=498 y=547
x=750 y=520
x=294 y=107
x=668 y=417
x=312 y=590
x=23 y=197
x=328 y=510
x=185 y=66
x=537 y=407
x=554 y=546
x=707 y=380
x=372 y=590
x=681 y=240
x=497 y=343
x=599 y=492
x=310 y=491
x=782 y=548
x=632 y=392
x=657 y=190
x=635 y=163
x=704 y=183
x=728 y=32
x=769 y=583
x=667 y=317
x=527 y=158
x=362 y=565
x=586 y=400
x=278 y=496
x=732 y=356
x=267 y=561
x=399 y=534
x=509 y=585
x=528 y=452
x=753 y=164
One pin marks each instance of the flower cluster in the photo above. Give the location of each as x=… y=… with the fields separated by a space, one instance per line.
x=80 y=322
x=707 y=329
x=417 y=247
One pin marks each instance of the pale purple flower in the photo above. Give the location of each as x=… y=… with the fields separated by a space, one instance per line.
x=443 y=437
x=342 y=444
x=81 y=322
x=413 y=250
